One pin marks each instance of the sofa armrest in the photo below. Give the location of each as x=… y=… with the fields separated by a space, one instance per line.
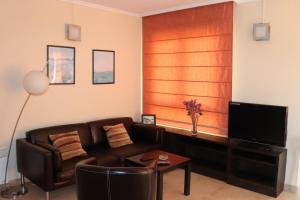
x=57 y=159
x=148 y=133
x=36 y=164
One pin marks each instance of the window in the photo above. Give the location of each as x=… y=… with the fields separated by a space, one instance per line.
x=187 y=55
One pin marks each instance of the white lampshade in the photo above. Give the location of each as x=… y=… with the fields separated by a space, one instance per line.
x=36 y=83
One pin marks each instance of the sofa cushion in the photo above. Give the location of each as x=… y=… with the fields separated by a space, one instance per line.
x=68 y=145
x=132 y=149
x=117 y=136
x=104 y=158
x=98 y=133
x=68 y=166
x=42 y=135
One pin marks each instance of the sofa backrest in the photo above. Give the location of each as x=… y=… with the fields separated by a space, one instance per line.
x=98 y=133
x=42 y=135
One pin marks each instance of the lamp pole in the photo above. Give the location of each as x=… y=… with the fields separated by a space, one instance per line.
x=8 y=192
x=35 y=83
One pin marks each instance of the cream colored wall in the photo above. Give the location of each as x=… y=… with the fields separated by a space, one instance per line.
x=27 y=27
x=268 y=72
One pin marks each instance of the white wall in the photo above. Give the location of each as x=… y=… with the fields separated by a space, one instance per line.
x=269 y=72
x=27 y=27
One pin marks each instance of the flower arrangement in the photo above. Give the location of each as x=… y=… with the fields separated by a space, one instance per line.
x=194 y=111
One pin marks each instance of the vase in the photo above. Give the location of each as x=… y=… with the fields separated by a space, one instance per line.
x=194 y=123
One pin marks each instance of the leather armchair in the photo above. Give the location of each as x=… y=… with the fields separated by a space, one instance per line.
x=115 y=183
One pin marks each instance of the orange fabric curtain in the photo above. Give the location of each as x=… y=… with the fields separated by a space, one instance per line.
x=187 y=55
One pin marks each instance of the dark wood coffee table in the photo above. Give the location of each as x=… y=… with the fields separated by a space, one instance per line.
x=176 y=162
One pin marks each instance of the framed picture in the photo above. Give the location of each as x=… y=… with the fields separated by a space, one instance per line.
x=148 y=119
x=61 y=64
x=103 y=67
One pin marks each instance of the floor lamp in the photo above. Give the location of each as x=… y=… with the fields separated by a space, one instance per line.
x=35 y=83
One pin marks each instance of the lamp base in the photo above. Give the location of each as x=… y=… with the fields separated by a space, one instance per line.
x=11 y=192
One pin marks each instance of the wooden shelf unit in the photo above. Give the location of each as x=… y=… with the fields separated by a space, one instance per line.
x=251 y=166
x=208 y=153
x=258 y=168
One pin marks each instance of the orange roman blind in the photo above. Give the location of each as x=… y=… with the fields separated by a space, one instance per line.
x=187 y=54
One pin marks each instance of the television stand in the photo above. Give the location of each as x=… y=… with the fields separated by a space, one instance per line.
x=256 y=167
x=252 y=166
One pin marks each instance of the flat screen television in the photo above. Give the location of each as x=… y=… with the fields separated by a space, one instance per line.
x=264 y=124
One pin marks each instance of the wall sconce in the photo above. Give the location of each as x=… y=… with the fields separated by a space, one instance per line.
x=261 y=31
x=73 y=32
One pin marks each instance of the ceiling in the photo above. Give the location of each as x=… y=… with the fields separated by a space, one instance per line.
x=148 y=7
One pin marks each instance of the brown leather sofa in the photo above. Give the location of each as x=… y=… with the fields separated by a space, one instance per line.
x=115 y=183
x=41 y=162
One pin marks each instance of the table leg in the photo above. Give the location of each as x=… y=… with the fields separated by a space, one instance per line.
x=187 y=179
x=160 y=182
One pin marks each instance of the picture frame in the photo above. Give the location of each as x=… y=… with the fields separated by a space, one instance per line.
x=103 y=67
x=149 y=119
x=61 y=64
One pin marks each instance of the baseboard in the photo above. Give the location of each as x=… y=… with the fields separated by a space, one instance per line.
x=287 y=187
x=2 y=168
x=16 y=181
x=12 y=182
x=292 y=188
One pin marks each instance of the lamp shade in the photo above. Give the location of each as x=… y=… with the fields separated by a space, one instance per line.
x=36 y=83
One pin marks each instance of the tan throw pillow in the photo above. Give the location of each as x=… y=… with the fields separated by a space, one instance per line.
x=68 y=145
x=117 y=136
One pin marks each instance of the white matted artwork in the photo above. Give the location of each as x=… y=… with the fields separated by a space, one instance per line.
x=103 y=67
x=61 y=64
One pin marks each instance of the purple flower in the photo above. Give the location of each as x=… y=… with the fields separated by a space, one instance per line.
x=192 y=107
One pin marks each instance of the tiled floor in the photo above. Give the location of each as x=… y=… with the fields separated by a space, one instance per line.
x=202 y=188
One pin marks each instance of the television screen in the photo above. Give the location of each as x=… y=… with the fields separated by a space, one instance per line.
x=258 y=123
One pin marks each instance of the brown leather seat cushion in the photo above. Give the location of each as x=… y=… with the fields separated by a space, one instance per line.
x=68 y=166
x=105 y=157
x=132 y=149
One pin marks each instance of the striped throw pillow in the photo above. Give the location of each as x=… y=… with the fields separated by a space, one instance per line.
x=117 y=136
x=68 y=145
